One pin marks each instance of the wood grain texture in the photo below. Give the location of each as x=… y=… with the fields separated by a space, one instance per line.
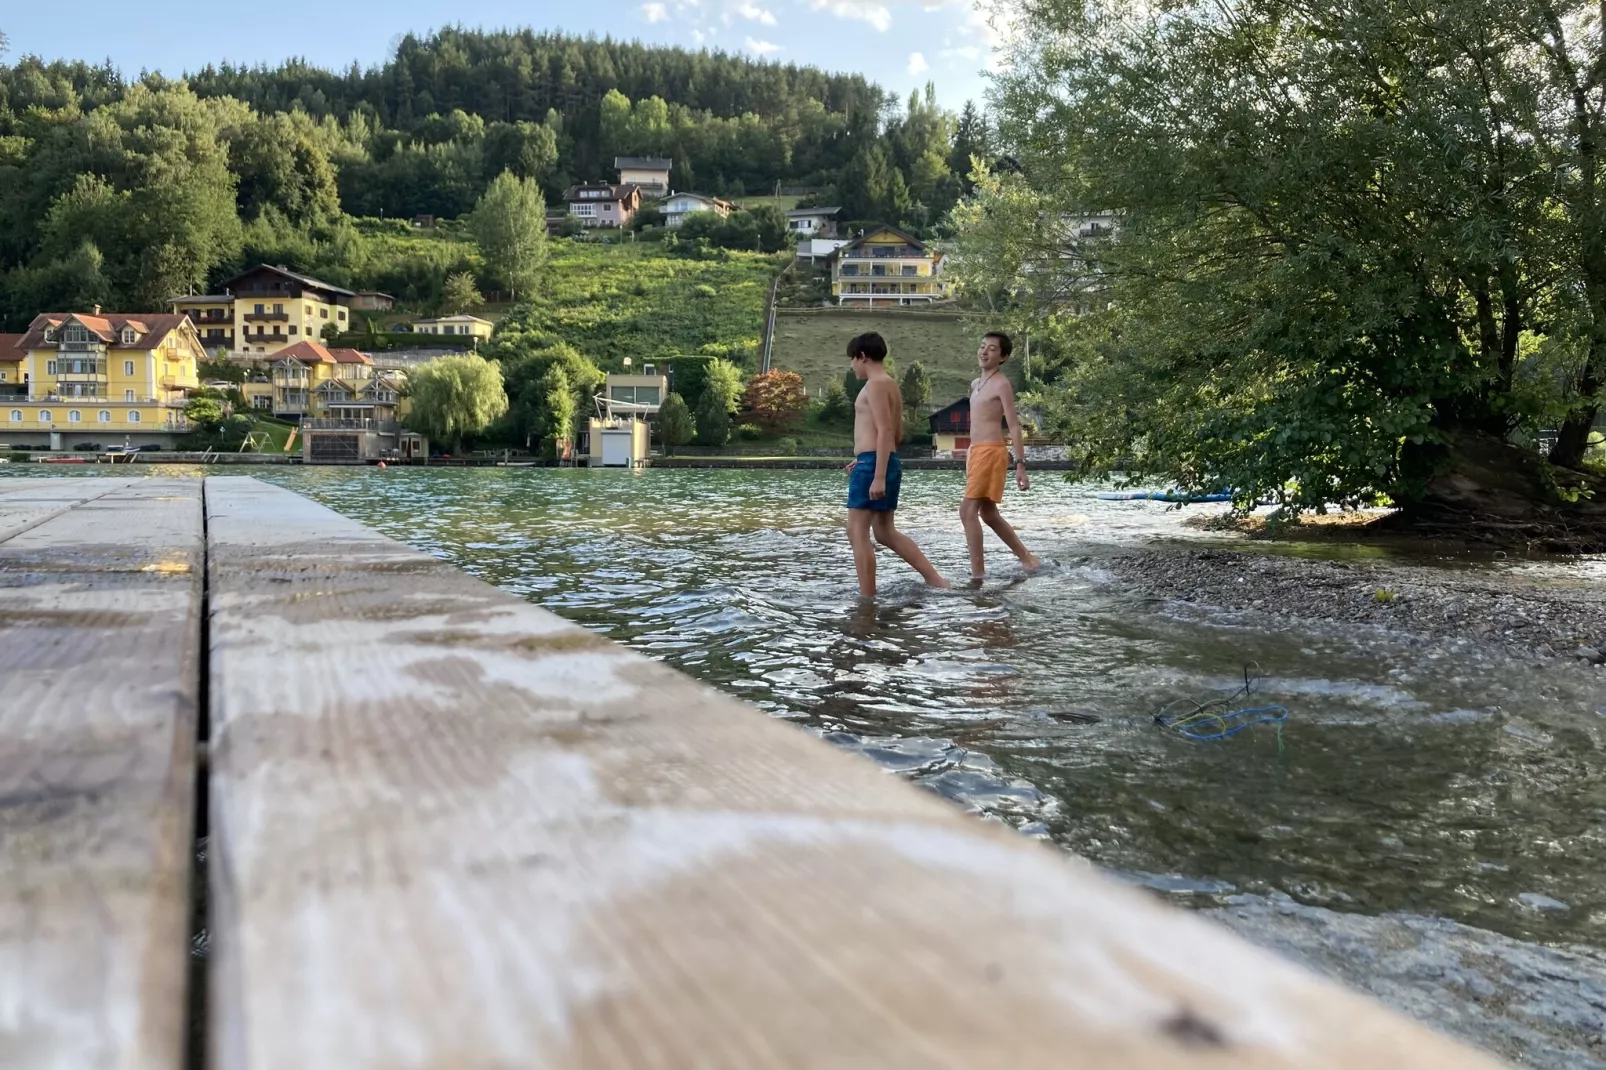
x=450 y=830
x=27 y=503
x=100 y=654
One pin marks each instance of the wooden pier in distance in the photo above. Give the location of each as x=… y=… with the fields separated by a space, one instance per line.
x=447 y=829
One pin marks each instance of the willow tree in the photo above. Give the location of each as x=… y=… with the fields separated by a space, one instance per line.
x=1326 y=250
x=455 y=397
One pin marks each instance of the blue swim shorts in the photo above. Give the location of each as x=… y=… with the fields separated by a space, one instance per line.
x=864 y=474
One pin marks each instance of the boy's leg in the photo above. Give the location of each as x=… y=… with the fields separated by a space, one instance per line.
x=888 y=535
x=863 y=550
x=970 y=517
x=995 y=520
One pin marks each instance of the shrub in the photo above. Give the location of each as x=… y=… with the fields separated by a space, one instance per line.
x=749 y=433
x=786 y=447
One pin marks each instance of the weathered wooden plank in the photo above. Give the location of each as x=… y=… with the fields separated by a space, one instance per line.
x=100 y=645
x=449 y=830
x=26 y=503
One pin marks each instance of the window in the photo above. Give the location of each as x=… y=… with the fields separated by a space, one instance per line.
x=607 y=208
x=278 y=309
x=128 y=395
x=50 y=334
x=76 y=333
x=104 y=416
x=585 y=209
x=910 y=269
x=341 y=315
x=262 y=402
x=74 y=416
x=447 y=329
x=50 y=367
x=128 y=368
x=16 y=416
x=133 y=416
x=129 y=337
x=647 y=395
x=323 y=313
x=292 y=328
x=306 y=310
x=259 y=310
x=46 y=417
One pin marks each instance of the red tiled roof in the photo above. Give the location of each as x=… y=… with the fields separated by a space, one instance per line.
x=153 y=327
x=11 y=347
x=350 y=356
x=307 y=351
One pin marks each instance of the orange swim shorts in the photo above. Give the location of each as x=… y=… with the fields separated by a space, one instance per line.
x=985 y=466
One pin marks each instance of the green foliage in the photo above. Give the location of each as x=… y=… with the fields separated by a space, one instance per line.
x=1303 y=294
x=916 y=388
x=529 y=362
x=786 y=447
x=763 y=229
x=723 y=381
x=674 y=423
x=713 y=420
x=749 y=432
x=851 y=385
x=204 y=413
x=460 y=294
x=455 y=397
x=509 y=223
x=221 y=370
x=837 y=407
x=638 y=301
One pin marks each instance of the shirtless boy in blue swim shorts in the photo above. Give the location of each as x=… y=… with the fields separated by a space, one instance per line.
x=876 y=475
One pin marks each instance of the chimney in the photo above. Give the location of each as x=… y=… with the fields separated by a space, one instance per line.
x=96 y=311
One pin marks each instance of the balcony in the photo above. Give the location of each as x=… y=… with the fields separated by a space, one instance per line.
x=94 y=345
x=267 y=317
x=263 y=339
x=203 y=318
x=13 y=390
x=327 y=423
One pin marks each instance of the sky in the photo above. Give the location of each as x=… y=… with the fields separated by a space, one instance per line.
x=900 y=44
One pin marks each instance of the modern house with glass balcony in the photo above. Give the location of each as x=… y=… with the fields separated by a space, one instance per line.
x=885 y=267
x=96 y=377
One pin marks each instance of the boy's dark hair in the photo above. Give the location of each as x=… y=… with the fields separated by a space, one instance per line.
x=869 y=345
x=1006 y=345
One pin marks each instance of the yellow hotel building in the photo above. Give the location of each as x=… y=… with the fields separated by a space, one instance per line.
x=267 y=309
x=886 y=267
x=77 y=377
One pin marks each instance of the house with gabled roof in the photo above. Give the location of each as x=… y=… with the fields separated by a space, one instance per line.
x=602 y=204
x=650 y=173
x=680 y=205
x=887 y=266
x=95 y=376
x=812 y=222
x=269 y=307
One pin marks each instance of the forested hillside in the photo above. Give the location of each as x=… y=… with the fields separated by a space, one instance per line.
x=123 y=193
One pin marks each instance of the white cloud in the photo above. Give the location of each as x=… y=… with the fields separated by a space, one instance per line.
x=697 y=36
x=753 y=13
x=763 y=48
x=875 y=14
x=655 y=12
x=968 y=53
x=918 y=64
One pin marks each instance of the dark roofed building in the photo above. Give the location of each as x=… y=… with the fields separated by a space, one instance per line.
x=812 y=222
x=651 y=173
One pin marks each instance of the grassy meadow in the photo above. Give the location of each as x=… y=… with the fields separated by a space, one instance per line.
x=814 y=345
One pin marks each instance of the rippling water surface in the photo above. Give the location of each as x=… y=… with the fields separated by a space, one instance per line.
x=1410 y=777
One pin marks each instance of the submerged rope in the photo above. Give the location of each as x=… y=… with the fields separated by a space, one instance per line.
x=1217 y=719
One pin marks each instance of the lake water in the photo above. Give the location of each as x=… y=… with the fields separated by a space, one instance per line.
x=1408 y=777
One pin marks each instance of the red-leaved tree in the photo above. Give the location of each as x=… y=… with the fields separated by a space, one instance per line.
x=777 y=400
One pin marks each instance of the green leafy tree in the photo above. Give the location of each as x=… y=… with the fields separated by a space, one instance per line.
x=723 y=381
x=836 y=406
x=509 y=223
x=561 y=407
x=455 y=397
x=916 y=388
x=1267 y=274
x=528 y=361
x=674 y=423
x=204 y=413
x=713 y=421
x=851 y=385
x=461 y=295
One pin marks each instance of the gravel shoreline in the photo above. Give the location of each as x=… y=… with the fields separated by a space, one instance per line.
x=1527 y=616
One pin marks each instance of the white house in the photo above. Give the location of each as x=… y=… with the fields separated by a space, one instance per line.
x=651 y=173
x=812 y=249
x=681 y=205
x=812 y=222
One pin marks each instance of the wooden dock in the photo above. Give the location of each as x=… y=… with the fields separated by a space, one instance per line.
x=447 y=829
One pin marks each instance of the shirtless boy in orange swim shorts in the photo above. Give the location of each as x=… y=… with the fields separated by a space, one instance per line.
x=992 y=404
